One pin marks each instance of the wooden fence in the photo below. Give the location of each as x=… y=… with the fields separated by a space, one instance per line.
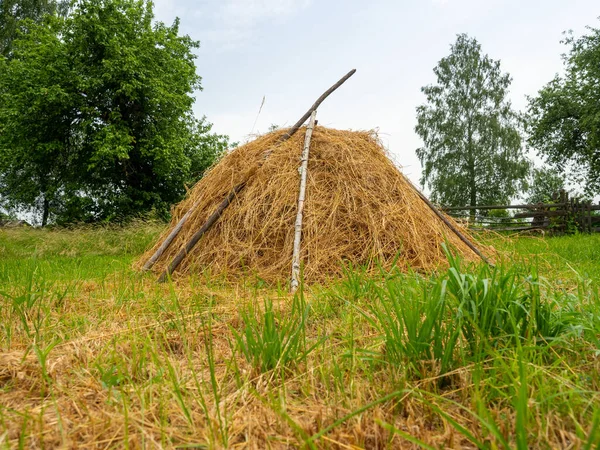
x=566 y=215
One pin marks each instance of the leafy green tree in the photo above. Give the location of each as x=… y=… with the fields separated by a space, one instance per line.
x=13 y=12
x=35 y=115
x=546 y=183
x=472 y=151
x=564 y=123
x=96 y=117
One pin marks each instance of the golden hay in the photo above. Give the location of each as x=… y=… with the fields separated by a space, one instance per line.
x=359 y=209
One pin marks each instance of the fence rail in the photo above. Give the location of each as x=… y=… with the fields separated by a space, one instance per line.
x=566 y=214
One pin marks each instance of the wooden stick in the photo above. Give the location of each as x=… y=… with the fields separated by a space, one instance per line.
x=482 y=207
x=314 y=107
x=172 y=235
x=450 y=225
x=237 y=189
x=196 y=237
x=301 y=197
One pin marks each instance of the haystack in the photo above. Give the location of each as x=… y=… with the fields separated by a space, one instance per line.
x=359 y=209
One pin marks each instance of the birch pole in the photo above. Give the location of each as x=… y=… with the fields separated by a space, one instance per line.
x=301 y=197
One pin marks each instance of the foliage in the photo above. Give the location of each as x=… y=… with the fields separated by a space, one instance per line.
x=97 y=121
x=6 y=216
x=35 y=119
x=497 y=213
x=13 y=12
x=546 y=183
x=564 y=124
x=472 y=143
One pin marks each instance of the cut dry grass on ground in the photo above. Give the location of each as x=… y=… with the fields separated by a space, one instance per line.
x=94 y=355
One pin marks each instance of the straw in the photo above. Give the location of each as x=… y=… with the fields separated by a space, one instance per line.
x=360 y=209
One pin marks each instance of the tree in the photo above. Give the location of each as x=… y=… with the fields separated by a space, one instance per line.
x=96 y=117
x=35 y=116
x=13 y=12
x=472 y=150
x=564 y=123
x=546 y=183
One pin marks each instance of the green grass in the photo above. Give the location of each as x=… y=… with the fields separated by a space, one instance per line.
x=273 y=341
x=563 y=258
x=95 y=355
x=78 y=254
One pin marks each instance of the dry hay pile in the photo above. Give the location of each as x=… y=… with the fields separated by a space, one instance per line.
x=359 y=208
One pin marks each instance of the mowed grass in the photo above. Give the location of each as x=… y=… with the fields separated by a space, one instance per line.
x=95 y=355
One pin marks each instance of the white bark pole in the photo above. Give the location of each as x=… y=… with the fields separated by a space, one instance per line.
x=298 y=227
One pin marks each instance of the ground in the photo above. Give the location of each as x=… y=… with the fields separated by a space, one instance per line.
x=95 y=355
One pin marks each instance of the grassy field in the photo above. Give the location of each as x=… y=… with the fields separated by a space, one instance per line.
x=95 y=355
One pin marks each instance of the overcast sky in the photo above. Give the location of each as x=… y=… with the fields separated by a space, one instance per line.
x=290 y=51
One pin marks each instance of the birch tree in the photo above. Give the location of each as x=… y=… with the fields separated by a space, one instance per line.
x=472 y=150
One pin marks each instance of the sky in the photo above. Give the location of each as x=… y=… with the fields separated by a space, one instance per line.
x=291 y=51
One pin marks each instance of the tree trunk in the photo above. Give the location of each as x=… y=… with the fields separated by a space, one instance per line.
x=472 y=189
x=45 y=210
x=472 y=174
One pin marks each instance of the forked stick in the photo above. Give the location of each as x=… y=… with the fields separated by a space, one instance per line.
x=314 y=107
x=237 y=189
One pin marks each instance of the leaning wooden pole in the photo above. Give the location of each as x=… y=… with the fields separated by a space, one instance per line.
x=172 y=235
x=196 y=237
x=450 y=225
x=301 y=196
x=314 y=107
x=237 y=189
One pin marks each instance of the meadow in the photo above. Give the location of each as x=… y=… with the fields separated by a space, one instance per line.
x=96 y=355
